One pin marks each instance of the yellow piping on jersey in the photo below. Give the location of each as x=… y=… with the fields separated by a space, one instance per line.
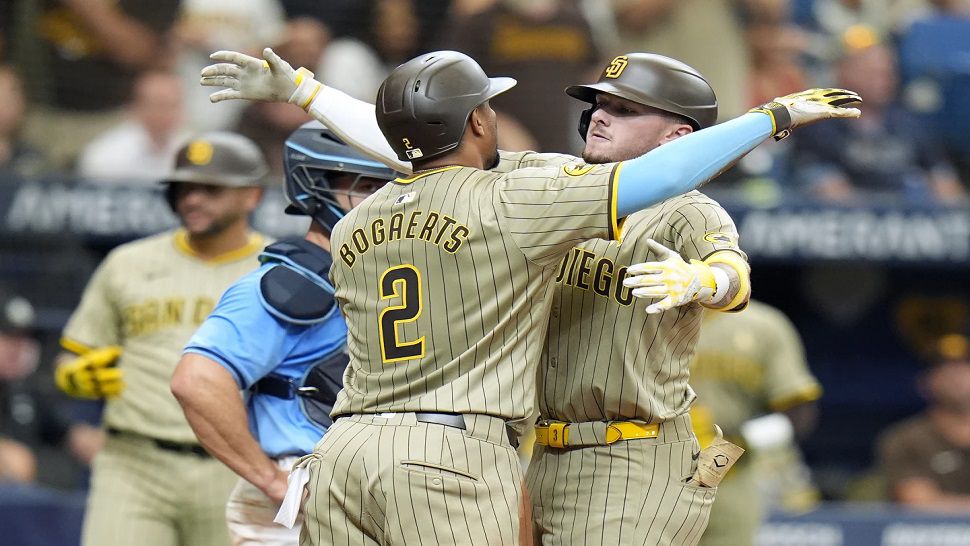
x=808 y=394
x=75 y=347
x=616 y=225
x=256 y=243
x=426 y=173
x=734 y=260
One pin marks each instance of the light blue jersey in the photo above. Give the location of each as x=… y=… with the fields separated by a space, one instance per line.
x=251 y=343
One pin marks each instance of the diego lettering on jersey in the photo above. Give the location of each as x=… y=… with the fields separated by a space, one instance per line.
x=587 y=271
x=153 y=314
x=432 y=227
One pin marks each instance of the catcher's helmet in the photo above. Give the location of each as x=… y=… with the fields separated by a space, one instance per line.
x=218 y=158
x=652 y=80
x=423 y=106
x=312 y=155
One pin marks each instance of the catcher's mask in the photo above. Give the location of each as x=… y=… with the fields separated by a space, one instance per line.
x=315 y=159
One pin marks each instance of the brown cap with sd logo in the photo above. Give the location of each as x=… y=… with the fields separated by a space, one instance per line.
x=220 y=159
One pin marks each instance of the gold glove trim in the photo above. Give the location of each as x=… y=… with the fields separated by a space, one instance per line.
x=75 y=347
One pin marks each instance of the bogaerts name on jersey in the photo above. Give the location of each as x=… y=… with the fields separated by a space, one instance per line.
x=583 y=269
x=432 y=227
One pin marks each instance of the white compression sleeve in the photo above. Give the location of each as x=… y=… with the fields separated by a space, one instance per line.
x=354 y=122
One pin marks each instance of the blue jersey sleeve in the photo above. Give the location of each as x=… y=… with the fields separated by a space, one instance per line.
x=242 y=336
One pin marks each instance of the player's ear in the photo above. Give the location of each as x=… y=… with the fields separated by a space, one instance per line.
x=477 y=122
x=252 y=197
x=675 y=131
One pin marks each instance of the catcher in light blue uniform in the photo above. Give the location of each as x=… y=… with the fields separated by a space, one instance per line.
x=278 y=336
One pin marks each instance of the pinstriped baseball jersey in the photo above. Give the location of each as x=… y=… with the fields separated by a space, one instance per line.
x=149 y=296
x=605 y=357
x=445 y=280
x=750 y=364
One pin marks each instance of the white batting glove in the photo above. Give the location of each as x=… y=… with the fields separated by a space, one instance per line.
x=673 y=280
x=809 y=106
x=270 y=79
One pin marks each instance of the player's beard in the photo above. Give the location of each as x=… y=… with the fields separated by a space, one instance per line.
x=217 y=226
x=613 y=155
x=493 y=161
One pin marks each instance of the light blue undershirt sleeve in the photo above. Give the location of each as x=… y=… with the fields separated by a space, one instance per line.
x=687 y=162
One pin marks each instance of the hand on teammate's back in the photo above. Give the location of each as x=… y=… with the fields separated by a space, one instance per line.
x=670 y=279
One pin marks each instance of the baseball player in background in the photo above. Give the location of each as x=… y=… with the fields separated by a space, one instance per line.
x=752 y=378
x=277 y=335
x=152 y=482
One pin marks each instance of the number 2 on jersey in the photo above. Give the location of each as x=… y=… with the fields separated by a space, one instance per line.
x=404 y=282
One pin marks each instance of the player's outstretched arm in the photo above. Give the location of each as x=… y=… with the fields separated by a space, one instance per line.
x=271 y=79
x=688 y=162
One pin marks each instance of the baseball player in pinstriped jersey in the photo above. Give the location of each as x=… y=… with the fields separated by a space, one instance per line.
x=152 y=482
x=747 y=366
x=615 y=447
x=371 y=388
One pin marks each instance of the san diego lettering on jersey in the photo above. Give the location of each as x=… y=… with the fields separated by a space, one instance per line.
x=432 y=226
x=583 y=269
x=154 y=314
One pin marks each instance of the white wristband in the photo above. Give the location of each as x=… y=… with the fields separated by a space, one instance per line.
x=307 y=89
x=721 y=284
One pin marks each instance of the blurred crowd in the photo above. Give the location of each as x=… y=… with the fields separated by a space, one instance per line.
x=106 y=91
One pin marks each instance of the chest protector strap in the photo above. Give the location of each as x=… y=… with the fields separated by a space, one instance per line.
x=296 y=290
x=316 y=391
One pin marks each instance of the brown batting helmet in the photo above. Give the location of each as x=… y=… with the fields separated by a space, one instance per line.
x=221 y=159
x=217 y=158
x=652 y=80
x=424 y=104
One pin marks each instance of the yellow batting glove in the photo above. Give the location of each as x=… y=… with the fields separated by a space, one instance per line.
x=809 y=106
x=93 y=375
x=671 y=279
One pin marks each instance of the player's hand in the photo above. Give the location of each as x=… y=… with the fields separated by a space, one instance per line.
x=93 y=375
x=809 y=106
x=270 y=79
x=671 y=279
x=276 y=489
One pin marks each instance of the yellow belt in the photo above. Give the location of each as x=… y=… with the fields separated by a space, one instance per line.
x=556 y=434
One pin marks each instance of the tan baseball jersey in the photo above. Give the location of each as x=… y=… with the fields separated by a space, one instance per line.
x=749 y=364
x=149 y=296
x=605 y=358
x=445 y=280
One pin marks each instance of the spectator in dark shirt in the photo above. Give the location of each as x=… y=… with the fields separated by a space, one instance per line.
x=17 y=158
x=35 y=432
x=888 y=153
x=545 y=45
x=95 y=51
x=926 y=459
